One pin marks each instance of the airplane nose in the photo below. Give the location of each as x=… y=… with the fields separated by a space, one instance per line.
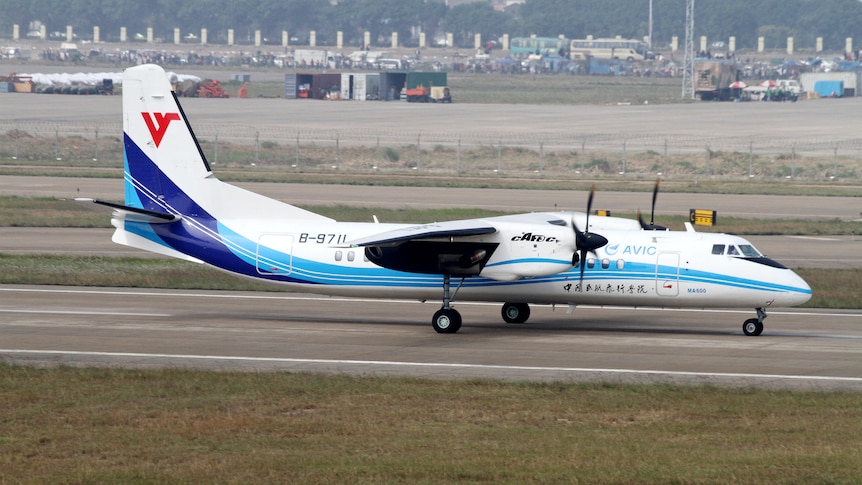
x=798 y=292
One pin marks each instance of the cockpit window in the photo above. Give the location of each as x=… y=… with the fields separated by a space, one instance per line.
x=718 y=249
x=749 y=252
x=732 y=251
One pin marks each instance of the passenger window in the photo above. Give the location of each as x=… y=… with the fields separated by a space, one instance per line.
x=606 y=263
x=731 y=250
x=591 y=263
x=621 y=264
x=718 y=249
x=338 y=255
x=351 y=256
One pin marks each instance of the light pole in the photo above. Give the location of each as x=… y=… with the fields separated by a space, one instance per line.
x=650 y=25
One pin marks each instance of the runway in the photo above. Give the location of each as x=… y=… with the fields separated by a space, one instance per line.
x=294 y=332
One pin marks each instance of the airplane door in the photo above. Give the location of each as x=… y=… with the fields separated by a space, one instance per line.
x=274 y=254
x=667 y=274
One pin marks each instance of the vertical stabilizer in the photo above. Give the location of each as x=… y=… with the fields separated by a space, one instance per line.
x=165 y=168
x=161 y=151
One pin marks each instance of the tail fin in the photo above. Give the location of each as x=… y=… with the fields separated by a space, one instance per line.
x=166 y=170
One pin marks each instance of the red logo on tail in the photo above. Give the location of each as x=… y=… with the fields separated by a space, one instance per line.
x=158 y=124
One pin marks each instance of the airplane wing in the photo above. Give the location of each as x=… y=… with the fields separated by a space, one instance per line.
x=437 y=230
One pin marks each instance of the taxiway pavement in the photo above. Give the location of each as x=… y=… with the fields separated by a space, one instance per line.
x=295 y=332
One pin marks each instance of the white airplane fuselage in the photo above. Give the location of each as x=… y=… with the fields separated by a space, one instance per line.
x=636 y=268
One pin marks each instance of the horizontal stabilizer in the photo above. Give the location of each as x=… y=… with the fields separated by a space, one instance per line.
x=136 y=214
x=438 y=230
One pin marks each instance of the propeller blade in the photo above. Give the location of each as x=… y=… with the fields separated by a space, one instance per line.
x=583 y=264
x=652 y=225
x=586 y=241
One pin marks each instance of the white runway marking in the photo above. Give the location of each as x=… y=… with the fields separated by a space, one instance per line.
x=74 y=312
x=442 y=365
x=815 y=238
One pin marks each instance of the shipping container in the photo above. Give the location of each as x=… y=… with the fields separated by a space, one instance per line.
x=829 y=89
x=312 y=86
x=393 y=82
x=360 y=86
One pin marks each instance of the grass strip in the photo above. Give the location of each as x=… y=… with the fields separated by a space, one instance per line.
x=48 y=212
x=833 y=288
x=101 y=425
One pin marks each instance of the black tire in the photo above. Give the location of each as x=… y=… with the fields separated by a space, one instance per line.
x=752 y=327
x=515 y=312
x=446 y=320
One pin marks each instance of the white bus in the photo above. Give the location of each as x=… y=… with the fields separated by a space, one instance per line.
x=623 y=49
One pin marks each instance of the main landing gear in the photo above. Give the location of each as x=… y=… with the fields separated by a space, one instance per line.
x=515 y=312
x=754 y=326
x=447 y=319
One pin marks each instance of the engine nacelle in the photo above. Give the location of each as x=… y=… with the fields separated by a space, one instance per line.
x=528 y=269
x=532 y=250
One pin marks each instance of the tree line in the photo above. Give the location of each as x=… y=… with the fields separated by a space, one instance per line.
x=775 y=20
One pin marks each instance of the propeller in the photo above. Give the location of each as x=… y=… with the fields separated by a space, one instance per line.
x=587 y=242
x=651 y=226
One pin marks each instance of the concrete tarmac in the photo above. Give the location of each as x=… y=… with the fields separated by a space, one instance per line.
x=820 y=121
x=294 y=332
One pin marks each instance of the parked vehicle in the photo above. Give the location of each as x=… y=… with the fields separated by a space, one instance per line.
x=712 y=79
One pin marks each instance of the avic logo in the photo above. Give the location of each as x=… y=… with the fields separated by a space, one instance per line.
x=158 y=123
x=628 y=250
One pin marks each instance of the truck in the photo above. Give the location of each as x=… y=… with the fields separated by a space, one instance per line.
x=712 y=79
x=790 y=86
x=305 y=58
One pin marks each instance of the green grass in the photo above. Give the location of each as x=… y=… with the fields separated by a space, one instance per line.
x=532 y=89
x=65 y=425
x=48 y=212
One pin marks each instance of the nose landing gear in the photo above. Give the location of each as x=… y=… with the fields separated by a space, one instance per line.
x=754 y=326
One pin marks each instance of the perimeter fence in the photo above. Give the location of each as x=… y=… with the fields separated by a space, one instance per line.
x=79 y=145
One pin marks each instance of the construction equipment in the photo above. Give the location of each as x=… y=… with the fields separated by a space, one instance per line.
x=434 y=94
x=211 y=89
x=419 y=94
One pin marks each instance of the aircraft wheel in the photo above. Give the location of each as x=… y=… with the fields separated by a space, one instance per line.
x=752 y=327
x=516 y=312
x=446 y=320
